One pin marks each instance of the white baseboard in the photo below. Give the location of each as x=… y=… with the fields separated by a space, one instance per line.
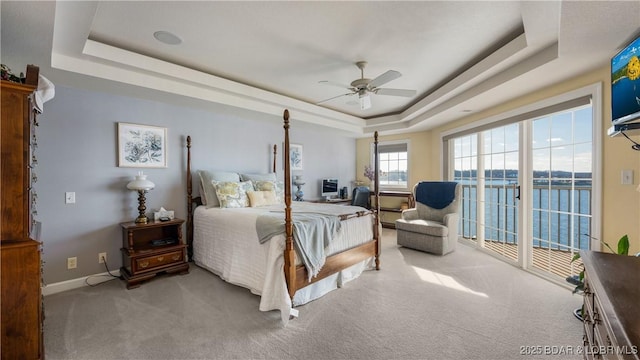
x=55 y=288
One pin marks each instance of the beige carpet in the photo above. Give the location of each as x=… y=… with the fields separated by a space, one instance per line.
x=466 y=305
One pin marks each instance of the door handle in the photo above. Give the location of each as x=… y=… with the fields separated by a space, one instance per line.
x=517 y=191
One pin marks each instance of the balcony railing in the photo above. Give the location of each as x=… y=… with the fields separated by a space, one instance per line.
x=561 y=215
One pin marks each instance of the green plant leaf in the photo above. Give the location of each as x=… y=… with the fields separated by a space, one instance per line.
x=623 y=245
x=576 y=256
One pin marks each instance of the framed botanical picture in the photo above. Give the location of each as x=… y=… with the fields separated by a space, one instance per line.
x=142 y=146
x=295 y=156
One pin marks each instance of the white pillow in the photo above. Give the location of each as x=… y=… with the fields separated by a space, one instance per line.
x=232 y=194
x=208 y=193
x=261 y=198
x=277 y=186
x=258 y=177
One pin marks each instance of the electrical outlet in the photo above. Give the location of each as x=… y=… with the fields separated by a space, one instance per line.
x=102 y=258
x=72 y=263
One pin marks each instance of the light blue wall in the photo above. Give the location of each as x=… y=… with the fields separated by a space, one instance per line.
x=77 y=151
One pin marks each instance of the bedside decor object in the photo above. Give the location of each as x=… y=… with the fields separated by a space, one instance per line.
x=7 y=74
x=370 y=174
x=141 y=185
x=142 y=146
x=163 y=214
x=344 y=193
x=298 y=182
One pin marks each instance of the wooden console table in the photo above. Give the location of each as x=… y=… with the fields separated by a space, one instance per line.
x=401 y=194
x=611 y=309
x=333 y=201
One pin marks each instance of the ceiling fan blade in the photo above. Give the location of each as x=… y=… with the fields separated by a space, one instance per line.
x=395 y=92
x=384 y=78
x=333 y=83
x=331 y=98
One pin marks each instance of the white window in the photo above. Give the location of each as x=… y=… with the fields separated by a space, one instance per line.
x=393 y=164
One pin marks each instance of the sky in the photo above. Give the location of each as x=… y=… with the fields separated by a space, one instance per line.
x=559 y=142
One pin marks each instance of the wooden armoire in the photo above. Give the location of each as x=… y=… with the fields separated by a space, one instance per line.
x=21 y=275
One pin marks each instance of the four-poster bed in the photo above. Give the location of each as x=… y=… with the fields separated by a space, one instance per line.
x=240 y=260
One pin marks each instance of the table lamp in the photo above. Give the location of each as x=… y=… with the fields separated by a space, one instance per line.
x=142 y=185
x=298 y=182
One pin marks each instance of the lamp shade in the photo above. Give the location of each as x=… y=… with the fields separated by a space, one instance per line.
x=298 y=180
x=140 y=183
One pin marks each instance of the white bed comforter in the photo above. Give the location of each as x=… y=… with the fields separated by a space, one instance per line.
x=226 y=243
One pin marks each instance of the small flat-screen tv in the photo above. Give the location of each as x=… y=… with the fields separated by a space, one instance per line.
x=329 y=188
x=625 y=84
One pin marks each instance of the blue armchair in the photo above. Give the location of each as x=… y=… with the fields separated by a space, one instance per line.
x=432 y=226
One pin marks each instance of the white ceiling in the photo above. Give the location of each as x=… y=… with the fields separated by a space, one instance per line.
x=265 y=56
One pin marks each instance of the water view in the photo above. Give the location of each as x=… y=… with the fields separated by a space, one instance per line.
x=561 y=212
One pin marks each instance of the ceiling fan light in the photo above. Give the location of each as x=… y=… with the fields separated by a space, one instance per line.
x=363 y=87
x=365 y=101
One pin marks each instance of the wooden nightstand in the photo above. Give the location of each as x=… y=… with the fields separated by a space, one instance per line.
x=152 y=248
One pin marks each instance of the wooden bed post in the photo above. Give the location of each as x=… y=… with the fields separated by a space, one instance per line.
x=189 y=203
x=376 y=231
x=289 y=260
x=275 y=153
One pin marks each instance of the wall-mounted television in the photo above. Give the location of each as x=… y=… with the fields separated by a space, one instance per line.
x=625 y=84
x=329 y=188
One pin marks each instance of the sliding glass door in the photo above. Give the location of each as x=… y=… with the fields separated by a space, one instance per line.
x=500 y=150
x=465 y=158
x=561 y=188
x=487 y=166
x=527 y=189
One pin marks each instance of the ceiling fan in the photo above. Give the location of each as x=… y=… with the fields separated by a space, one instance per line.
x=364 y=87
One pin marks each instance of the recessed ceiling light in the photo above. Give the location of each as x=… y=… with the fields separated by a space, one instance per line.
x=167 y=38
